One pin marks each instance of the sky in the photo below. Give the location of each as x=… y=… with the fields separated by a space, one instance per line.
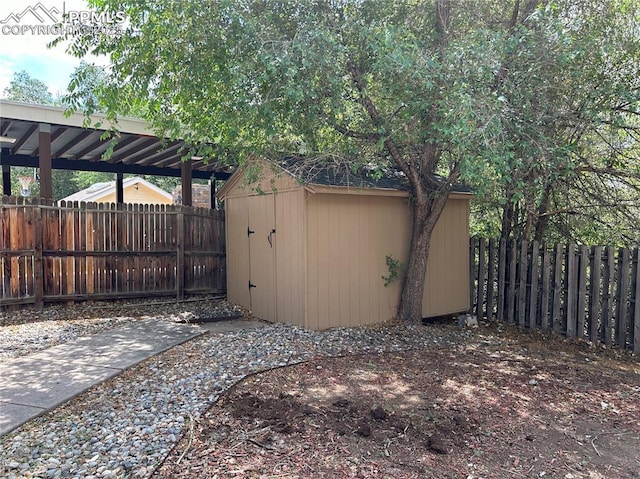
x=23 y=50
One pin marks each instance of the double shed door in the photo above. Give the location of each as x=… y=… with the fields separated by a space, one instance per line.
x=261 y=231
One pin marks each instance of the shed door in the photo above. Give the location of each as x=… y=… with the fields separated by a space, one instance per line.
x=262 y=247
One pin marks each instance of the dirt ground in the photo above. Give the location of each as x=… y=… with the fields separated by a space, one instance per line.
x=505 y=405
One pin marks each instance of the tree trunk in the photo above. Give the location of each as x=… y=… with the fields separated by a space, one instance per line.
x=424 y=221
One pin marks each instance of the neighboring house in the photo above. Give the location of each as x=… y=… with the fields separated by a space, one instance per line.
x=309 y=246
x=136 y=190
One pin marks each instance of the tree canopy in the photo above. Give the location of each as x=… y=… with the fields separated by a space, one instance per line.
x=509 y=96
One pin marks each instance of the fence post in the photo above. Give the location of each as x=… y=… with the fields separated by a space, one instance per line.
x=180 y=272
x=38 y=264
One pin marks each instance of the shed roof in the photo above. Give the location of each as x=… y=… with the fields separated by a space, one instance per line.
x=341 y=175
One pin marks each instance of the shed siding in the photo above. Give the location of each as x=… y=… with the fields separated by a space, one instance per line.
x=269 y=182
x=447 y=280
x=262 y=258
x=348 y=238
x=237 y=221
x=290 y=250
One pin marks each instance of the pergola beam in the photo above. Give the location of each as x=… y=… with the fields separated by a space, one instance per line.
x=44 y=161
x=6 y=158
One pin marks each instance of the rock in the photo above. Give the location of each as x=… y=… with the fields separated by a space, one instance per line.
x=341 y=402
x=468 y=321
x=364 y=430
x=379 y=414
x=436 y=444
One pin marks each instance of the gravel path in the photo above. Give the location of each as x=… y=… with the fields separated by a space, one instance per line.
x=126 y=426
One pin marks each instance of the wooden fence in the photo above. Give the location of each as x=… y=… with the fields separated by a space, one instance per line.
x=104 y=251
x=580 y=291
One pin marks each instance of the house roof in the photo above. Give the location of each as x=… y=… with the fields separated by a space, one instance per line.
x=75 y=147
x=100 y=190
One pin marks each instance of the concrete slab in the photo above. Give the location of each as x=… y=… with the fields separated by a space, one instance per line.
x=12 y=415
x=36 y=383
x=47 y=385
x=123 y=347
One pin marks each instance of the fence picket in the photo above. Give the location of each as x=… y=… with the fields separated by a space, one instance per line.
x=556 y=312
x=594 y=295
x=491 y=278
x=572 y=291
x=522 y=284
x=533 y=286
x=502 y=264
x=634 y=327
x=546 y=290
x=583 y=263
x=78 y=251
x=621 y=297
x=606 y=325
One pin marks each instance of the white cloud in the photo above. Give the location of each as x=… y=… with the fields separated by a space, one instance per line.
x=28 y=51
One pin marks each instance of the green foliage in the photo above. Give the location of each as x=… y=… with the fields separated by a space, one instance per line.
x=396 y=267
x=23 y=87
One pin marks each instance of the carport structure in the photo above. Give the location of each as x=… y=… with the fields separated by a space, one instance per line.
x=43 y=137
x=77 y=251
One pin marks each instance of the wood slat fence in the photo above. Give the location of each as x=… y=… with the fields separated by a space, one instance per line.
x=590 y=292
x=82 y=251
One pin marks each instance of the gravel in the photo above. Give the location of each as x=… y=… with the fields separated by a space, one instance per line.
x=125 y=427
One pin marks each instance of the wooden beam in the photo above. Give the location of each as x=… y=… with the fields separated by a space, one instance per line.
x=84 y=165
x=44 y=145
x=73 y=142
x=54 y=136
x=119 y=188
x=23 y=139
x=6 y=180
x=187 y=189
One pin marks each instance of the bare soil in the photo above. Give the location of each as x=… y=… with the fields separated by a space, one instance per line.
x=505 y=405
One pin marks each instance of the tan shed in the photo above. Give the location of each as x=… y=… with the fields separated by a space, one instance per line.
x=309 y=248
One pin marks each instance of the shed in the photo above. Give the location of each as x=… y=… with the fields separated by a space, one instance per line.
x=308 y=246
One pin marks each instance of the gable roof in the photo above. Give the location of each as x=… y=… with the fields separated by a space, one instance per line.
x=100 y=190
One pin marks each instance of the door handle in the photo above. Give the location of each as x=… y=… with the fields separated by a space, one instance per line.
x=251 y=285
x=269 y=237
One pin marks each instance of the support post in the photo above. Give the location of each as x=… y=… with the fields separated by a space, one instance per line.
x=119 y=188
x=44 y=145
x=212 y=194
x=185 y=174
x=6 y=180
